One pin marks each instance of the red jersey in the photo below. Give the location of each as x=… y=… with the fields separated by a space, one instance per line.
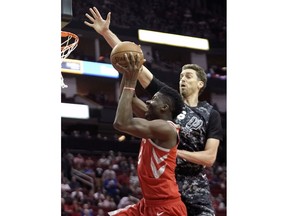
x=156 y=170
x=156 y=173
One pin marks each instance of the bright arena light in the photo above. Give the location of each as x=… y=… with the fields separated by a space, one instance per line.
x=173 y=39
x=79 y=111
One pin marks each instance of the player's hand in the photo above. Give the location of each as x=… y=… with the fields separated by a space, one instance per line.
x=97 y=22
x=134 y=66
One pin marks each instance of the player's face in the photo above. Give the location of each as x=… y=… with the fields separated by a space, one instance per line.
x=189 y=83
x=154 y=107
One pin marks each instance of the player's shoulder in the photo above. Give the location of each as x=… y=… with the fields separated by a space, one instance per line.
x=214 y=113
x=161 y=124
x=207 y=105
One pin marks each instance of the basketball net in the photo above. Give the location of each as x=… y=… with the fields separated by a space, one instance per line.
x=69 y=42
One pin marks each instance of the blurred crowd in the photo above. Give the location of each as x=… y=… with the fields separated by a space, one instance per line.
x=115 y=183
x=198 y=18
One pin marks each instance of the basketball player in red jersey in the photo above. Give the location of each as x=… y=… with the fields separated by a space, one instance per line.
x=158 y=151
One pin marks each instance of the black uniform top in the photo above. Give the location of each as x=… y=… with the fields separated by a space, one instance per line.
x=197 y=125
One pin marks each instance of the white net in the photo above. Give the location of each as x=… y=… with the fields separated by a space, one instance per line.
x=69 y=42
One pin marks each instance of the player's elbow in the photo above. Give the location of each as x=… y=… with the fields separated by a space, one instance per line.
x=117 y=125
x=210 y=162
x=120 y=126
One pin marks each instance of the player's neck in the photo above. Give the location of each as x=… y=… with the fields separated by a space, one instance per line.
x=166 y=117
x=191 y=100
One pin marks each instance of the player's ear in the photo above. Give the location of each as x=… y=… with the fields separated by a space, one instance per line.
x=200 y=84
x=165 y=107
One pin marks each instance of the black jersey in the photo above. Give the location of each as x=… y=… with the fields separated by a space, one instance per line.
x=197 y=125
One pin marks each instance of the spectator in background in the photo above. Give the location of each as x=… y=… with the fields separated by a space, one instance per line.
x=86 y=210
x=100 y=212
x=65 y=187
x=76 y=208
x=119 y=157
x=123 y=178
x=108 y=173
x=107 y=203
x=126 y=201
x=99 y=195
x=110 y=185
x=77 y=194
x=78 y=161
x=134 y=183
x=103 y=161
x=98 y=176
x=89 y=162
x=67 y=206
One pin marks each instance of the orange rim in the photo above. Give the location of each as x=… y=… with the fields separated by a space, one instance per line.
x=65 y=34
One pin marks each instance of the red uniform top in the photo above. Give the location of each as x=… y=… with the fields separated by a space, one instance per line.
x=156 y=170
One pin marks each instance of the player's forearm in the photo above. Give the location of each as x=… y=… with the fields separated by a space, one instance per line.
x=145 y=77
x=204 y=158
x=124 y=113
x=139 y=107
x=111 y=38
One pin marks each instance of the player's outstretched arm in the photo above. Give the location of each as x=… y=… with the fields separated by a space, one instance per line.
x=101 y=26
x=124 y=114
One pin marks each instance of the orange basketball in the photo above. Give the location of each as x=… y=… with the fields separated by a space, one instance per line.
x=117 y=54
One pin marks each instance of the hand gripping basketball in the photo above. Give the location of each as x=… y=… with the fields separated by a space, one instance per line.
x=133 y=66
x=117 y=56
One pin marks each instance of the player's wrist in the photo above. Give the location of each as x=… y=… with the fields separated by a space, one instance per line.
x=107 y=33
x=130 y=83
x=129 y=88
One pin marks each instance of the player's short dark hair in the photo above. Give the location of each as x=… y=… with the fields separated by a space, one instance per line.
x=174 y=100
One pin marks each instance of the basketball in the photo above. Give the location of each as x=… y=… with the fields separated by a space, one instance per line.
x=117 y=54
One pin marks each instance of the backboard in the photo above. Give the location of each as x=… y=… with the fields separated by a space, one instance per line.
x=66 y=12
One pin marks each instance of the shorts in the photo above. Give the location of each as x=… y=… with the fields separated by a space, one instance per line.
x=174 y=207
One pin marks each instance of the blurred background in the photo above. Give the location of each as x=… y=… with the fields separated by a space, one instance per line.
x=93 y=153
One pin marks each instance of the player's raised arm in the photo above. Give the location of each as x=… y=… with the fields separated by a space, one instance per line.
x=124 y=115
x=102 y=26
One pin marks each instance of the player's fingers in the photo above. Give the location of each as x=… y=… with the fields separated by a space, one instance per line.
x=88 y=24
x=137 y=59
x=95 y=10
x=132 y=57
x=121 y=67
x=126 y=57
x=108 y=17
x=89 y=17
x=93 y=13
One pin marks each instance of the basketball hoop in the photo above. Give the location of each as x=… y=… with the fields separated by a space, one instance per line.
x=69 y=42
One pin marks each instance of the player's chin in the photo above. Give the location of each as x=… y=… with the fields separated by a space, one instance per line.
x=183 y=92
